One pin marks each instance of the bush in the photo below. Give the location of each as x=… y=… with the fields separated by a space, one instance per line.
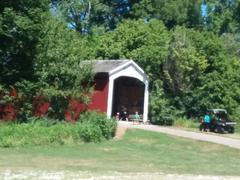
x=107 y=126
x=90 y=132
x=93 y=127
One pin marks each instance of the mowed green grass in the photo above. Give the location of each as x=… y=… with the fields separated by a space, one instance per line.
x=138 y=151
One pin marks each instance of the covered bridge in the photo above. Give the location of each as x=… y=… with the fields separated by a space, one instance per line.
x=119 y=83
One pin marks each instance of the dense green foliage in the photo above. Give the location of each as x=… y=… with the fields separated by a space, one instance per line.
x=98 y=120
x=188 y=48
x=20 y=32
x=57 y=66
x=39 y=56
x=45 y=131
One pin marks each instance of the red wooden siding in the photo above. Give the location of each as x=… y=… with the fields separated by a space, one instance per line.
x=74 y=109
x=40 y=106
x=8 y=111
x=100 y=95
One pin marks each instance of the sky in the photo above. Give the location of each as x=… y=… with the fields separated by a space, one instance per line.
x=204 y=9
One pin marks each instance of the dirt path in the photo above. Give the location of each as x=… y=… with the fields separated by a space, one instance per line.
x=121 y=129
x=231 y=142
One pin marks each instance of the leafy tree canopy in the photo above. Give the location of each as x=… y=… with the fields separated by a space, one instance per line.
x=20 y=31
x=146 y=43
x=191 y=57
x=171 y=12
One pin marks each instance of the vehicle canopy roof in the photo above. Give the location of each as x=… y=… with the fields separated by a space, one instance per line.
x=215 y=111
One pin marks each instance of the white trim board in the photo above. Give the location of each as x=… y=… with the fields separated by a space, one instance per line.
x=128 y=69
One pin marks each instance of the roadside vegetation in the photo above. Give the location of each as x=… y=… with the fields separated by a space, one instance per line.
x=91 y=127
x=186 y=123
x=138 y=151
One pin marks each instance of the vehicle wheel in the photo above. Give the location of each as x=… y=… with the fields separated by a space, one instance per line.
x=231 y=130
x=212 y=128
x=220 y=129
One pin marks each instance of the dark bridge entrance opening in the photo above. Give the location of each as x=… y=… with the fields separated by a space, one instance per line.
x=128 y=92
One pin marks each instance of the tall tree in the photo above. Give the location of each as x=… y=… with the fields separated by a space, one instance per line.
x=146 y=43
x=185 y=63
x=172 y=13
x=184 y=67
x=223 y=16
x=220 y=88
x=20 y=30
x=88 y=14
x=77 y=14
x=61 y=76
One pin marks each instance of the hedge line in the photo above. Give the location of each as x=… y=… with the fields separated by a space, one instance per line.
x=91 y=127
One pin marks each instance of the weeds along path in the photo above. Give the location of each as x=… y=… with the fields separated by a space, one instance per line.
x=202 y=136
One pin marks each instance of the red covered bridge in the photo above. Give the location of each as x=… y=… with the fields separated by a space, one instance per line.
x=119 y=83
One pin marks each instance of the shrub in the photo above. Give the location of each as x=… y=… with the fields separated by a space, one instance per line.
x=93 y=127
x=107 y=125
x=90 y=132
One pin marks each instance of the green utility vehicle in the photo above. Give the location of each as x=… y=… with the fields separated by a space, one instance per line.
x=220 y=121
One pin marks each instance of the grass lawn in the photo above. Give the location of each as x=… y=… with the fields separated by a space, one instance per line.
x=138 y=151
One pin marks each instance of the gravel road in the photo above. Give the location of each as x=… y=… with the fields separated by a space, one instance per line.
x=202 y=136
